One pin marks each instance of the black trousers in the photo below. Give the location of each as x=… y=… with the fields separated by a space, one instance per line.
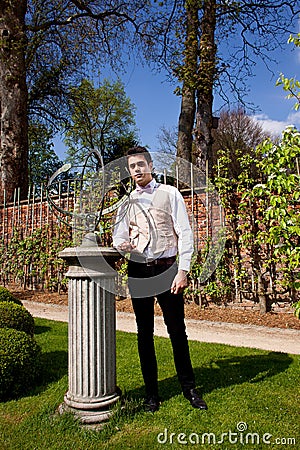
x=173 y=312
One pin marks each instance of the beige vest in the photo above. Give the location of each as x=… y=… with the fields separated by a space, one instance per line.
x=153 y=227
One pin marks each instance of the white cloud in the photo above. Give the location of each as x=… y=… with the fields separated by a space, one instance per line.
x=272 y=126
x=294 y=118
x=276 y=127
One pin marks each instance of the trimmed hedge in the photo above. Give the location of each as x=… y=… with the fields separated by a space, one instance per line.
x=7 y=296
x=17 y=317
x=19 y=363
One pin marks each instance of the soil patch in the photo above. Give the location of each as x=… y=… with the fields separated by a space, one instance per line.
x=246 y=313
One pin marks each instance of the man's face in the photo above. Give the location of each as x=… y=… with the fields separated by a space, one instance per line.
x=140 y=169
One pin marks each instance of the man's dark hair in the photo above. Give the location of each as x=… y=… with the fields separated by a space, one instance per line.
x=139 y=150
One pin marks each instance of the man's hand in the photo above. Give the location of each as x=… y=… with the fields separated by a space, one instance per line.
x=180 y=282
x=126 y=247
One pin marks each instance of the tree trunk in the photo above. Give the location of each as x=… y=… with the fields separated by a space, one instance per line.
x=206 y=75
x=13 y=99
x=188 y=75
x=186 y=124
x=263 y=298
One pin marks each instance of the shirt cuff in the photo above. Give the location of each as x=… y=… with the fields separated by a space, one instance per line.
x=184 y=264
x=117 y=242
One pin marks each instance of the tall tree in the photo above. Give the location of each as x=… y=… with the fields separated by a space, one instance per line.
x=205 y=84
x=13 y=98
x=187 y=74
x=99 y=119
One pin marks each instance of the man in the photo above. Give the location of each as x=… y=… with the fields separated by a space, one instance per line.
x=153 y=228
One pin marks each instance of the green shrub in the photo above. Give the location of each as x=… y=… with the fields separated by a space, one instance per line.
x=19 y=363
x=7 y=296
x=17 y=317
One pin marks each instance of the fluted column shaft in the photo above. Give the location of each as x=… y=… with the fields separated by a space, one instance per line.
x=92 y=334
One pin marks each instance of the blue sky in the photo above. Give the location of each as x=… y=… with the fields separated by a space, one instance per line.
x=157 y=105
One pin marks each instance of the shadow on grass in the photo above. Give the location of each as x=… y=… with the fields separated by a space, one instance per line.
x=54 y=366
x=40 y=329
x=225 y=372
x=237 y=370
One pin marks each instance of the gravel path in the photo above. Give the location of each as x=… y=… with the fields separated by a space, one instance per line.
x=265 y=338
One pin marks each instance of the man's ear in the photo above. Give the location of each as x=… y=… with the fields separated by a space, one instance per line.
x=151 y=166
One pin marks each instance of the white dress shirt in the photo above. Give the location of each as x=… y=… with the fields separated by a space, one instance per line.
x=180 y=219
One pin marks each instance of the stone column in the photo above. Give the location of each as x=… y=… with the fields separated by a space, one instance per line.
x=92 y=332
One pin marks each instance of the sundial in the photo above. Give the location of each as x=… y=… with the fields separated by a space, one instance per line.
x=97 y=190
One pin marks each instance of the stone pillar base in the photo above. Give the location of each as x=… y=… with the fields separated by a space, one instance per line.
x=90 y=413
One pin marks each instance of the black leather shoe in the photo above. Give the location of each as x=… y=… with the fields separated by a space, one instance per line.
x=151 y=403
x=195 y=400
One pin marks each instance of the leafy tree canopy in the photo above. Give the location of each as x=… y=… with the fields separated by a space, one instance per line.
x=100 y=119
x=42 y=161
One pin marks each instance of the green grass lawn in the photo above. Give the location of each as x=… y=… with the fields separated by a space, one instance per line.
x=253 y=399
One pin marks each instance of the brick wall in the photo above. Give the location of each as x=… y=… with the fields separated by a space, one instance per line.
x=27 y=216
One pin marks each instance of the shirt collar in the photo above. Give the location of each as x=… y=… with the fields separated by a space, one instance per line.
x=148 y=188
